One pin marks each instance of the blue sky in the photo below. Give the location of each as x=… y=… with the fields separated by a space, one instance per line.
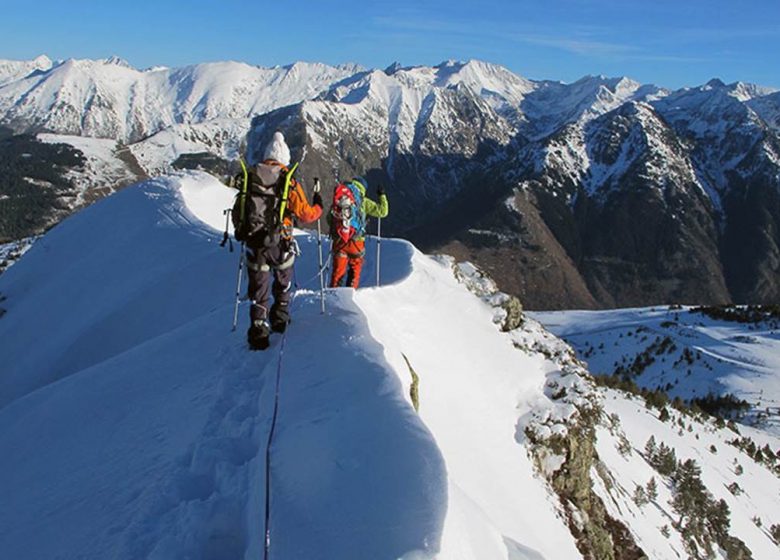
x=669 y=43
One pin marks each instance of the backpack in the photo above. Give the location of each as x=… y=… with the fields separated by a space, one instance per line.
x=349 y=220
x=259 y=207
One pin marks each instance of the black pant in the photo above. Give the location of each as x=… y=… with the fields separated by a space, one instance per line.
x=261 y=263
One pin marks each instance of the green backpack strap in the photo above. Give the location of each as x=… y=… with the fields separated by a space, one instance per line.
x=286 y=192
x=244 y=189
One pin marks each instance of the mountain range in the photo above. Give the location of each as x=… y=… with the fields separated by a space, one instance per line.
x=599 y=193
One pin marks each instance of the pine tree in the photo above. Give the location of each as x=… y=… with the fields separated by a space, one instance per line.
x=665 y=461
x=650 y=448
x=640 y=496
x=652 y=490
x=719 y=520
x=624 y=446
x=690 y=496
x=774 y=530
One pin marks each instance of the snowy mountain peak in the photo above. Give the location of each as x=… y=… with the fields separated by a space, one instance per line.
x=746 y=92
x=110 y=99
x=393 y=68
x=117 y=61
x=12 y=70
x=42 y=61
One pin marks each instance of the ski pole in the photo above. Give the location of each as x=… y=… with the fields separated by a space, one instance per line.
x=238 y=286
x=378 y=246
x=226 y=236
x=319 y=250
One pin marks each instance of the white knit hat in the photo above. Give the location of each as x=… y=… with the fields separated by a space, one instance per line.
x=277 y=149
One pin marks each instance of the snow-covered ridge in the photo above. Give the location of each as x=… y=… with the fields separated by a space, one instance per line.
x=137 y=427
x=148 y=416
x=107 y=99
x=110 y=99
x=12 y=70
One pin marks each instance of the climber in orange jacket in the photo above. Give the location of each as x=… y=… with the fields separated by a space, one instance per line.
x=347 y=220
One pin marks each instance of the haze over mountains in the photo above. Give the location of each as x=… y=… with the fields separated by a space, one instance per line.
x=604 y=192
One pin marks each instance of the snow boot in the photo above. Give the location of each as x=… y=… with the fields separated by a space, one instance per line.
x=258 y=335
x=280 y=317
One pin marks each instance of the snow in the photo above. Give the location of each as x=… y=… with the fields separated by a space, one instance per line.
x=761 y=488
x=221 y=137
x=106 y=99
x=137 y=426
x=103 y=168
x=554 y=105
x=12 y=252
x=728 y=357
x=12 y=70
x=619 y=473
x=471 y=403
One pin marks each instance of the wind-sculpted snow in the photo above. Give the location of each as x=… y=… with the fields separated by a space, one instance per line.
x=474 y=387
x=133 y=422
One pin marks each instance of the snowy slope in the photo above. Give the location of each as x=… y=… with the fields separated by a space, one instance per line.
x=110 y=99
x=104 y=169
x=12 y=70
x=474 y=387
x=555 y=104
x=725 y=357
x=137 y=426
x=221 y=137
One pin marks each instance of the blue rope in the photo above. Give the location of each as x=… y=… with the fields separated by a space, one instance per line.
x=272 y=431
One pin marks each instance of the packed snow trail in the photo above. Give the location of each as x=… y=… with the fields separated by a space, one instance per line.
x=133 y=422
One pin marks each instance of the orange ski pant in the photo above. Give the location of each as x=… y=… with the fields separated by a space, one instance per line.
x=348 y=260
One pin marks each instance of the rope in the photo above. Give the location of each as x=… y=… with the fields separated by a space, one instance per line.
x=325 y=266
x=272 y=431
x=267 y=551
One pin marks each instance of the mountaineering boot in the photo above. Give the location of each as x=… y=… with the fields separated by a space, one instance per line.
x=258 y=335
x=280 y=317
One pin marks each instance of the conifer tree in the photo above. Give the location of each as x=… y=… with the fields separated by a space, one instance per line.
x=652 y=490
x=650 y=448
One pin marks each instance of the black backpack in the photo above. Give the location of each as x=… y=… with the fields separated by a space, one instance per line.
x=257 y=212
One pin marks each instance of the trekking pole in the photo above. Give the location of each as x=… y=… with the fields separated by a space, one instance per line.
x=319 y=250
x=378 y=246
x=238 y=286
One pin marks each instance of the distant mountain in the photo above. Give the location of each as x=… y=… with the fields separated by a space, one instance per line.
x=598 y=193
x=110 y=99
x=604 y=192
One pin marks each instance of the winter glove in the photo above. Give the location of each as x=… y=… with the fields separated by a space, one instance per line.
x=380 y=190
x=317 y=200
